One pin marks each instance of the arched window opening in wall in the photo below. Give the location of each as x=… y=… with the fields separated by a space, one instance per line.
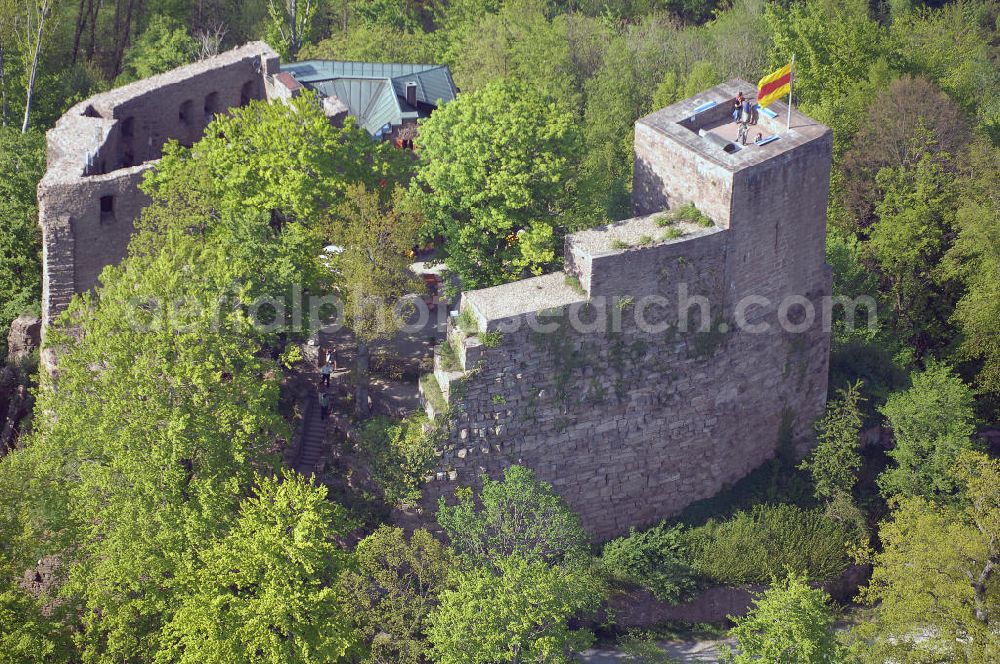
x=248 y=93
x=211 y=105
x=185 y=113
x=128 y=128
x=107 y=208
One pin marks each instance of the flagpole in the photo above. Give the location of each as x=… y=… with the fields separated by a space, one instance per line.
x=791 y=83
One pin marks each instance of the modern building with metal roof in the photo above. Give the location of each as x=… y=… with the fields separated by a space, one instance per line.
x=381 y=96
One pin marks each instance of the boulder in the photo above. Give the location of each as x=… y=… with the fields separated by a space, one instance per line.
x=24 y=338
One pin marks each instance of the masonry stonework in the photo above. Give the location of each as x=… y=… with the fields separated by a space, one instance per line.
x=642 y=378
x=99 y=151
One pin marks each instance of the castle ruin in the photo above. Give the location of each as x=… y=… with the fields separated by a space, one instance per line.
x=671 y=358
x=99 y=151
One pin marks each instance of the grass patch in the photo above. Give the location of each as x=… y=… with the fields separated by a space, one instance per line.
x=574 y=283
x=619 y=244
x=673 y=233
x=644 y=240
x=432 y=392
x=449 y=357
x=768 y=540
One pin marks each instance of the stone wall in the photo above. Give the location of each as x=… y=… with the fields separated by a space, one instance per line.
x=100 y=149
x=626 y=382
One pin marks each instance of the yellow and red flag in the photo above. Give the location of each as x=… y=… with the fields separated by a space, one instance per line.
x=774 y=86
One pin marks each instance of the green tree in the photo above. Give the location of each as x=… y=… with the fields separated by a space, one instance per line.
x=521 y=42
x=162 y=46
x=520 y=516
x=22 y=163
x=267 y=204
x=836 y=460
x=493 y=163
x=393 y=590
x=834 y=44
x=932 y=423
x=517 y=611
x=181 y=409
x=975 y=260
x=951 y=45
x=26 y=633
x=891 y=134
x=265 y=591
x=165 y=402
x=372 y=271
x=614 y=103
x=375 y=43
x=936 y=584
x=915 y=222
x=291 y=24
x=789 y=622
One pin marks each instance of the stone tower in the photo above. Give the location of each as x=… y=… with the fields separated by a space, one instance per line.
x=678 y=350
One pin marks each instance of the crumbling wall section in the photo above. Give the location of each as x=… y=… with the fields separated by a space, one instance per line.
x=99 y=151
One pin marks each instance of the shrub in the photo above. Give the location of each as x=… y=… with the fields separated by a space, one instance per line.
x=400 y=453
x=691 y=214
x=656 y=559
x=519 y=515
x=467 y=323
x=641 y=648
x=491 y=339
x=766 y=542
x=688 y=213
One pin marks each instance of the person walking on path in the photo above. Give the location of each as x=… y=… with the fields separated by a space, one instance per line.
x=326 y=370
x=324 y=404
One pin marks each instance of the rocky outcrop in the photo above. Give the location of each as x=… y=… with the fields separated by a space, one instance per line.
x=24 y=338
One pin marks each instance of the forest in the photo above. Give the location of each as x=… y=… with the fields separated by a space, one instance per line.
x=147 y=514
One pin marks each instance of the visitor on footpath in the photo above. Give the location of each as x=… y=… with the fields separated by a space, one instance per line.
x=331 y=357
x=326 y=370
x=324 y=404
x=738 y=106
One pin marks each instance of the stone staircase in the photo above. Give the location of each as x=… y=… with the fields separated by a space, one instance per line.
x=313 y=448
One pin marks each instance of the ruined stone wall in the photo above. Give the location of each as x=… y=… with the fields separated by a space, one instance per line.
x=100 y=149
x=633 y=417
